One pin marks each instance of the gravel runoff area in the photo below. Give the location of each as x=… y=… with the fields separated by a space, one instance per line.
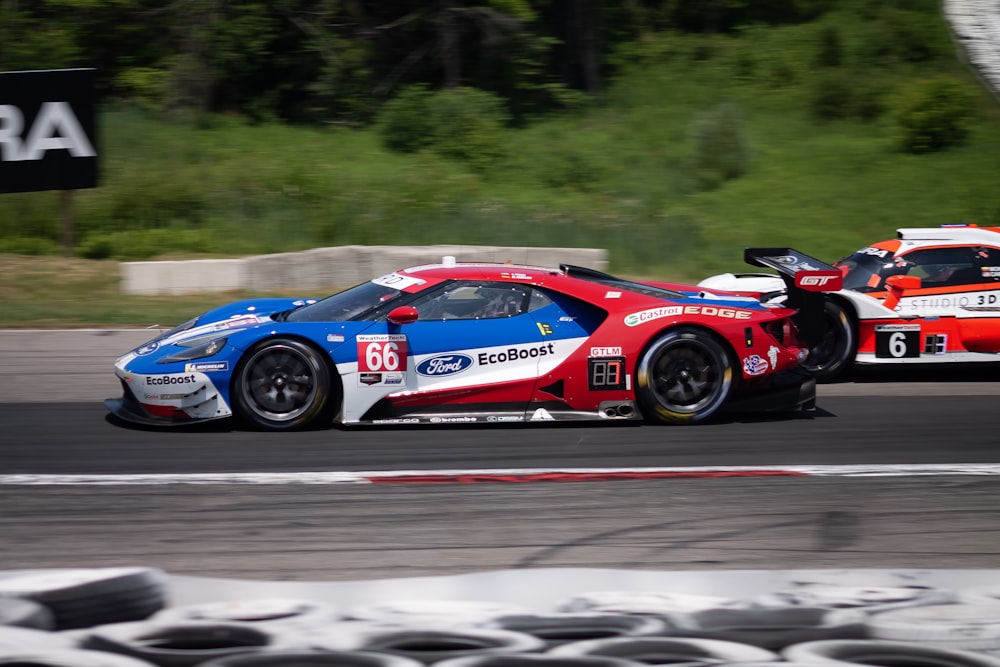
x=976 y=27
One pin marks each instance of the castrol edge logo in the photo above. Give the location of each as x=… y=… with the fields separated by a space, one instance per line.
x=635 y=319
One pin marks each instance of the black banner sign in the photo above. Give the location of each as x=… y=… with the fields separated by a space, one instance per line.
x=48 y=138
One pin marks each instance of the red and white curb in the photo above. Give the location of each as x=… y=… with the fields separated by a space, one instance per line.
x=515 y=475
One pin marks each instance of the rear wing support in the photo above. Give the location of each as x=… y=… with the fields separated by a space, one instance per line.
x=806 y=279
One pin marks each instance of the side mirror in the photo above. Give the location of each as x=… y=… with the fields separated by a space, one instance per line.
x=403 y=315
x=896 y=285
x=903 y=282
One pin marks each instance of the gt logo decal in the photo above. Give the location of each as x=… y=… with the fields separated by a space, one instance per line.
x=817 y=280
x=381 y=352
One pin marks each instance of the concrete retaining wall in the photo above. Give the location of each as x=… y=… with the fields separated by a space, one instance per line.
x=327 y=269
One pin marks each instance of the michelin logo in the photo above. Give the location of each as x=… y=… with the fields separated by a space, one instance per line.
x=206 y=367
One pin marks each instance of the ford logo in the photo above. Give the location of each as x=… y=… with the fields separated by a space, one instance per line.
x=148 y=348
x=444 y=364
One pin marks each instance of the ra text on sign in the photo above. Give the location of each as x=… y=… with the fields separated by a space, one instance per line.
x=48 y=135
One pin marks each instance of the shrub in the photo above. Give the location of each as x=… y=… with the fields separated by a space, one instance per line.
x=145 y=243
x=469 y=126
x=933 y=115
x=831 y=95
x=144 y=85
x=830 y=50
x=21 y=245
x=719 y=146
x=405 y=124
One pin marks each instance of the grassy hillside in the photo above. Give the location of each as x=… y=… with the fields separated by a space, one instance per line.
x=806 y=116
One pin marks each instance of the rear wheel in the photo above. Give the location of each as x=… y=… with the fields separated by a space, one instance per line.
x=685 y=376
x=834 y=354
x=282 y=384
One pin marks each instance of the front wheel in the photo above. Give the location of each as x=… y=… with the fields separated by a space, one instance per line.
x=282 y=385
x=685 y=376
x=834 y=354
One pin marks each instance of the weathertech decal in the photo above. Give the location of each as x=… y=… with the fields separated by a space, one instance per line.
x=382 y=352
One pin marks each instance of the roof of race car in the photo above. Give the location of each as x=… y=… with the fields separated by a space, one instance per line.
x=451 y=270
x=913 y=238
x=578 y=280
x=951 y=233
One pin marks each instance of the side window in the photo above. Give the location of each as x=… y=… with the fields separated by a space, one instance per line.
x=944 y=267
x=479 y=301
x=988 y=260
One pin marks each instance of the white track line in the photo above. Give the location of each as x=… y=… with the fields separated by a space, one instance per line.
x=505 y=475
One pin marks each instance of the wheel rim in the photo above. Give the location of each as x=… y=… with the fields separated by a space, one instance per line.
x=687 y=376
x=832 y=348
x=280 y=383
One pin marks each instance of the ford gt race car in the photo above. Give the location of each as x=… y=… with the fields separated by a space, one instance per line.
x=929 y=296
x=458 y=343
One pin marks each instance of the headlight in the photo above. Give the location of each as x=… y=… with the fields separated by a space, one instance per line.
x=198 y=351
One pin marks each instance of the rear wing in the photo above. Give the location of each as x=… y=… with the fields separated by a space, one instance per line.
x=805 y=278
x=798 y=270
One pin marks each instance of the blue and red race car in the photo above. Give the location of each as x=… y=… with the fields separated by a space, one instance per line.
x=468 y=343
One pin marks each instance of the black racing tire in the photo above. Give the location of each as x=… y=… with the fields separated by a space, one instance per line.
x=685 y=376
x=775 y=629
x=84 y=597
x=669 y=650
x=834 y=354
x=537 y=660
x=283 y=384
x=68 y=658
x=560 y=628
x=431 y=643
x=183 y=644
x=25 y=614
x=875 y=652
x=312 y=658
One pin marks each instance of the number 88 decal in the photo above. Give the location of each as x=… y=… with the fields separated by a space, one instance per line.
x=384 y=352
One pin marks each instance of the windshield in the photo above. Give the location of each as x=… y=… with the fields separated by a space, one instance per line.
x=867 y=269
x=351 y=304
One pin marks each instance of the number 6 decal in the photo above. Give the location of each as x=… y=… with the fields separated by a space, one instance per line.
x=897 y=341
x=383 y=352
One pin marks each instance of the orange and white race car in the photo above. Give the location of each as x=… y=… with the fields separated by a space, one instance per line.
x=931 y=295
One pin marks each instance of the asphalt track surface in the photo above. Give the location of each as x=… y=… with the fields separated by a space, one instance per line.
x=929 y=441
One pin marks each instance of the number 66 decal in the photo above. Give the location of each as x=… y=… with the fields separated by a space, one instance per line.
x=383 y=352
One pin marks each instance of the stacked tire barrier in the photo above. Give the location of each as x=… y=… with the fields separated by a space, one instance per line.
x=975 y=26
x=127 y=617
